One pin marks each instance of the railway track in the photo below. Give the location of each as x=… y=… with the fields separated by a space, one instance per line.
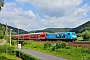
x=61 y=41
x=75 y=44
x=79 y=44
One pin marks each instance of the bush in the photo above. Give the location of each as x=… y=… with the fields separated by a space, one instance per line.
x=14 y=42
x=47 y=45
x=2 y=49
x=79 y=35
x=25 y=56
x=26 y=42
x=63 y=45
x=59 y=45
x=86 y=34
x=10 y=50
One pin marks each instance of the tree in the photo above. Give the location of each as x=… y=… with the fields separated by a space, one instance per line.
x=79 y=34
x=1 y=4
x=86 y=34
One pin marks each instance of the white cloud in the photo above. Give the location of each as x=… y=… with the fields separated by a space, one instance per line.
x=68 y=21
x=82 y=12
x=52 y=7
x=56 y=14
x=15 y=16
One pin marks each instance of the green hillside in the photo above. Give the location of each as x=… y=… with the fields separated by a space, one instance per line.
x=82 y=28
x=14 y=31
x=51 y=30
x=79 y=29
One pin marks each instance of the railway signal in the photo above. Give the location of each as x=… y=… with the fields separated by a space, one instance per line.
x=55 y=46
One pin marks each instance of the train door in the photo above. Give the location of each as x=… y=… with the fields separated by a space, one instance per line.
x=38 y=36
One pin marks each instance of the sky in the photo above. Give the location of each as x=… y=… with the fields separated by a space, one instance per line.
x=41 y=14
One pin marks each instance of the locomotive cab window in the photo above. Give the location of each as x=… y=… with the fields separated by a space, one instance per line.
x=73 y=33
x=68 y=33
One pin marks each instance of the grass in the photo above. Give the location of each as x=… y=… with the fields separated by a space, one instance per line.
x=5 y=56
x=71 y=53
x=79 y=38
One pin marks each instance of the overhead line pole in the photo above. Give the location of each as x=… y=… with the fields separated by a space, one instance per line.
x=18 y=35
x=6 y=40
x=18 y=41
x=10 y=36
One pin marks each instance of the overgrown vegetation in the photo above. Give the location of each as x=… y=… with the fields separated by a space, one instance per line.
x=72 y=53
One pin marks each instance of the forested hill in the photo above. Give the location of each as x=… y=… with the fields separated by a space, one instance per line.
x=79 y=29
x=51 y=30
x=82 y=28
x=14 y=31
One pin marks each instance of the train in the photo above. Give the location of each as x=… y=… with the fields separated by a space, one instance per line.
x=68 y=36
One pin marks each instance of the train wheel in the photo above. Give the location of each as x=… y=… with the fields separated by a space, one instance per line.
x=67 y=40
x=72 y=40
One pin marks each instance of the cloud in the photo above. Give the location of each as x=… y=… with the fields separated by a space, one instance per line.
x=82 y=11
x=52 y=8
x=62 y=22
x=15 y=16
x=56 y=13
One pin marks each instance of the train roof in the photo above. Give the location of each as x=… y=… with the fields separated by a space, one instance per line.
x=14 y=35
x=38 y=33
x=64 y=32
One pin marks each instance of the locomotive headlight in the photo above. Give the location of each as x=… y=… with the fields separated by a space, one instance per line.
x=74 y=36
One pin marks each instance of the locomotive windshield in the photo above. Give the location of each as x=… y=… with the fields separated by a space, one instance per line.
x=73 y=33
